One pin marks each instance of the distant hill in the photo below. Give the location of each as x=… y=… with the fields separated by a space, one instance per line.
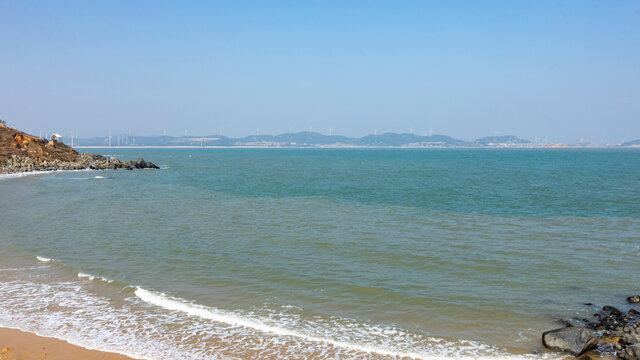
x=393 y=139
x=300 y=139
x=308 y=139
x=501 y=140
x=632 y=143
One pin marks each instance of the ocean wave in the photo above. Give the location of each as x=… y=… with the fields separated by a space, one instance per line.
x=43 y=259
x=151 y=325
x=93 y=277
x=437 y=348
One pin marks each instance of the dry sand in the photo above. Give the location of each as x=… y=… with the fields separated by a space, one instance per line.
x=20 y=345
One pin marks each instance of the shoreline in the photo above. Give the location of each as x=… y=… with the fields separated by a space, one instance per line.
x=17 y=344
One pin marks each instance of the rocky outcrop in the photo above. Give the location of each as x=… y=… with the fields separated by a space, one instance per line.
x=616 y=334
x=20 y=152
x=571 y=340
x=84 y=161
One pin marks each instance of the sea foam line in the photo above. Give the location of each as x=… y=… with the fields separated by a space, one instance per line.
x=210 y=313
x=96 y=324
x=22 y=174
x=37 y=172
x=93 y=277
x=43 y=259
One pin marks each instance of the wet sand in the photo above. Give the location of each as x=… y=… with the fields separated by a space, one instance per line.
x=20 y=345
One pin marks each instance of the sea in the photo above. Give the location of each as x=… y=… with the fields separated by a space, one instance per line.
x=321 y=253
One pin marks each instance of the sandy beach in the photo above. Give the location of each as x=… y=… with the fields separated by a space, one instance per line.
x=20 y=345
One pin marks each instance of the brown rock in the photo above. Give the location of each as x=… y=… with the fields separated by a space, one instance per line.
x=20 y=152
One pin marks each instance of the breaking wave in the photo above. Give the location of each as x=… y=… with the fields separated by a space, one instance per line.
x=93 y=277
x=152 y=325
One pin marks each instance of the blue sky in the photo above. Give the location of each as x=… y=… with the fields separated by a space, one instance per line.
x=562 y=70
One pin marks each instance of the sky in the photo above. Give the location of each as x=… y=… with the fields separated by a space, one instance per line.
x=556 y=70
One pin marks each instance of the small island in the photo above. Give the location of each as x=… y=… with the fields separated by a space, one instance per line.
x=21 y=152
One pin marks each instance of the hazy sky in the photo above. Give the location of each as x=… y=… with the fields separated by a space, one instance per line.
x=557 y=69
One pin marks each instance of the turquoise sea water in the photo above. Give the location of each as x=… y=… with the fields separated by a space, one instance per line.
x=321 y=253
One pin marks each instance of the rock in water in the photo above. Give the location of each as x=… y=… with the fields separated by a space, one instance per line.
x=572 y=340
x=634 y=299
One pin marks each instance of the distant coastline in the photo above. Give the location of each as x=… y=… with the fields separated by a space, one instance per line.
x=316 y=140
x=343 y=147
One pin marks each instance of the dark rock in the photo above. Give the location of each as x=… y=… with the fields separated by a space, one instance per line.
x=573 y=340
x=611 y=310
x=140 y=164
x=634 y=299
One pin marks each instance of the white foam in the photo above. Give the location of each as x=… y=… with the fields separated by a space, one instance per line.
x=33 y=173
x=43 y=259
x=178 y=329
x=99 y=177
x=151 y=325
x=23 y=174
x=210 y=313
x=93 y=277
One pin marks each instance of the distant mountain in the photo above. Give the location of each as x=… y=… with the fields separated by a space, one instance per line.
x=501 y=141
x=393 y=139
x=306 y=139
x=632 y=143
x=300 y=139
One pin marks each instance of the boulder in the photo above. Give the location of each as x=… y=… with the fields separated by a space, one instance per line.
x=612 y=310
x=572 y=340
x=140 y=164
x=634 y=299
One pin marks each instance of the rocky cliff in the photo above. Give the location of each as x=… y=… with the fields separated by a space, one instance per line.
x=21 y=152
